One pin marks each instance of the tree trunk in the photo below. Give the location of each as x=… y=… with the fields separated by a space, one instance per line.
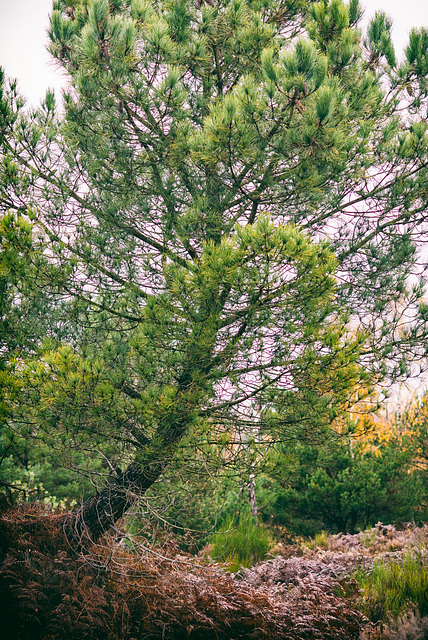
x=252 y=496
x=97 y=514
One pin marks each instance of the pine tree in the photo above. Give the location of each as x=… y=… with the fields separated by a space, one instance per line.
x=233 y=199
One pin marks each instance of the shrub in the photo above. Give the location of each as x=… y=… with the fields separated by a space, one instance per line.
x=340 y=488
x=113 y=593
x=242 y=545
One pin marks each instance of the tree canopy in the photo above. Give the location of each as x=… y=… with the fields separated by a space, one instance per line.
x=230 y=205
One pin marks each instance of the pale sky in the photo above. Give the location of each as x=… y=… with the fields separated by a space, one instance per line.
x=23 y=25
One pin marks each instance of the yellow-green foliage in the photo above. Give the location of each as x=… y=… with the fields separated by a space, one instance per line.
x=319 y=542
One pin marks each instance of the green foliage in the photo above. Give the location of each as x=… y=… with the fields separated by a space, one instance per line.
x=392 y=588
x=15 y=244
x=413 y=424
x=321 y=540
x=28 y=488
x=379 y=40
x=242 y=544
x=355 y=12
x=27 y=314
x=416 y=55
x=179 y=206
x=31 y=472
x=334 y=486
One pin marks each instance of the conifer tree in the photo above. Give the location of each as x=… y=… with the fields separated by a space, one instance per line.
x=234 y=199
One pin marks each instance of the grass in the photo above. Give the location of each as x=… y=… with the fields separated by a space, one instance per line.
x=242 y=545
x=369 y=539
x=391 y=589
x=319 y=542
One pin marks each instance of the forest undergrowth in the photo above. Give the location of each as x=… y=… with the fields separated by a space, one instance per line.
x=336 y=591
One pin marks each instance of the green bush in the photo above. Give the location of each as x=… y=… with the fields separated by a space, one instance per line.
x=242 y=545
x=340 y=488
x=392 y=588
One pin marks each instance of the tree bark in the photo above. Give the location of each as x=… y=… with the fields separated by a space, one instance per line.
x=99 y=513
x=252 y=496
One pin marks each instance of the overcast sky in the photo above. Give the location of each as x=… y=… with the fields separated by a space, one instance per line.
x=23 y=25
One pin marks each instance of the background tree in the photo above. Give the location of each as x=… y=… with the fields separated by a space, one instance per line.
x=338 y=487
x=205 y=157
x=412 y=425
